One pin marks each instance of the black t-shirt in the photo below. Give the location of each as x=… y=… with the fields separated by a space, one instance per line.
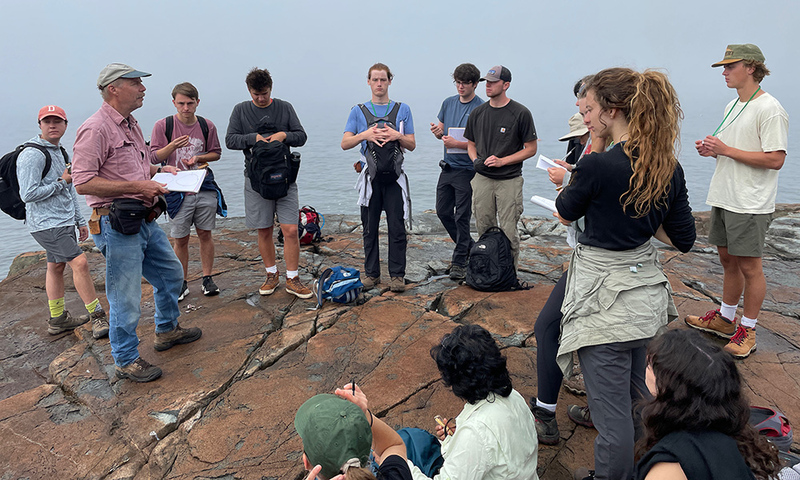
x=394 y=468
x=501 y=132
x=594 y=191
x=703 y=456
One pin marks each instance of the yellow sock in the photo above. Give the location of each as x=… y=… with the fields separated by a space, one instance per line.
x=91 y=307
x=56 y=307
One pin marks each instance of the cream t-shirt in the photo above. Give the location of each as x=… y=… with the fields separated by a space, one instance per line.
x=762 y=127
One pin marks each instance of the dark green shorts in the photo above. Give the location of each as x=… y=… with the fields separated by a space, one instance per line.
x=742 y=233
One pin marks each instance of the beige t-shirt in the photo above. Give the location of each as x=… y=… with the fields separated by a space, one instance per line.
x=762 y=127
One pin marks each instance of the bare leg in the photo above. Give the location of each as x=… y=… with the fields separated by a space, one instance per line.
x=181 y=247
x=54 y=280
x=733 y=280
x=206 y=251
x=266 y=246
x=82 y=279
x=291 y=246
x=755 y=285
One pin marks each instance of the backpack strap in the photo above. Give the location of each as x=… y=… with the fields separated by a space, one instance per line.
x=204 y=128
x=170 y=125
x=48 y=161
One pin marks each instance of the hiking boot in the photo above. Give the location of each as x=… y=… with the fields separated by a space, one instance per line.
x=458 y=272
x=209 y=287
x=184 y=291
x=64 y=323
x=546 y=425
x=139 y=371
x=270 y=284
x=99 y=323
x=583 y=473
x=580 y=415
x=176 y=336
x=296 y=288
x=397 y=284
x=574 y=383
x=742 y=343
x=712 y=322
x=370 y=282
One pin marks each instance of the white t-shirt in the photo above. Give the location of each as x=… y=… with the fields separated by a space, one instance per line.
x=762 y=127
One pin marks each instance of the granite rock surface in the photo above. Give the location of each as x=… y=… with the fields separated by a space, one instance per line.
x=225 y=405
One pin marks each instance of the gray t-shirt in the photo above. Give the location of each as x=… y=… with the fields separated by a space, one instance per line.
x=247 y=120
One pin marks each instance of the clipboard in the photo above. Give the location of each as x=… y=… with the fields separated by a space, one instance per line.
x=458 y=134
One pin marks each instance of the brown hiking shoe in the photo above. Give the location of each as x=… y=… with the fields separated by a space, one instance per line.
x=139 y=371
x=270 y=284
x=296 y=288
x=370 y=282
x=176 y=336
x=397 y=284
x=64 y=323
x=742 y=343
x=99 y=323
x=712 y=322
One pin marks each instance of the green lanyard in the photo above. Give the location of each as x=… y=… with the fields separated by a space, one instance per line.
x=387 y=109
x=719 y=129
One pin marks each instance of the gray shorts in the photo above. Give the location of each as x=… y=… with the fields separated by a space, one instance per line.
x=199 y=209
x=60 y=243
x=742 y=233
x=260 y=212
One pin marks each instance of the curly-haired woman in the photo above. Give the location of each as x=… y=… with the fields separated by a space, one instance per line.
x=617 y=297
x=696 y=425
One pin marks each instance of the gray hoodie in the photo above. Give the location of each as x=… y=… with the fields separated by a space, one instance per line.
x=49 y=202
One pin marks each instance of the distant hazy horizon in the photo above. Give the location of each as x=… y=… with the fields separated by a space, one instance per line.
x=319 y=53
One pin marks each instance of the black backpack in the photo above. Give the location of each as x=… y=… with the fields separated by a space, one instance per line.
x=384 y=163
x=269 y=169
x=10 y=201
x=491 y=264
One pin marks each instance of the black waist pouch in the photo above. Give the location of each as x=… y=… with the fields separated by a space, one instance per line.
x=126 y=215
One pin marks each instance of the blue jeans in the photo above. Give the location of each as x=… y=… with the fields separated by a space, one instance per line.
x=147 y=254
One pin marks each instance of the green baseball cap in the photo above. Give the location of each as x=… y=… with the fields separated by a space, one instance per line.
x=736 y=53
x=334 y=432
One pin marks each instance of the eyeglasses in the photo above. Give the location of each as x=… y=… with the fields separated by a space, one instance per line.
x=462 y=84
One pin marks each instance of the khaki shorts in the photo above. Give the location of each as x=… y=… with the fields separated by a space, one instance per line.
x=742 y=233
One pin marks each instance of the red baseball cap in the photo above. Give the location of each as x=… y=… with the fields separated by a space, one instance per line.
x=52 y=111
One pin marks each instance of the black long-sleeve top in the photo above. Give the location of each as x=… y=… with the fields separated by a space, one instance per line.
x=594 y=191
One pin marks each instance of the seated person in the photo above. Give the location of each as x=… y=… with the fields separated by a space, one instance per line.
x=696 y=424
x=337 y=436
x=494 y=436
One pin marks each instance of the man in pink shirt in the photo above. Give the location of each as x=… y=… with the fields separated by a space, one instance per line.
x=112 y=168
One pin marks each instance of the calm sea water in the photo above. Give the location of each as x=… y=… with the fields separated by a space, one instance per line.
x=326 y=175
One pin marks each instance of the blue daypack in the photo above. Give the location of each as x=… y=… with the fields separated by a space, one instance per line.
x=340 y=284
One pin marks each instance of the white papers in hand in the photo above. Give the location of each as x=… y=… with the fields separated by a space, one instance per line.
x=458 y=134
x=544 y=203
x=544 y=163
x=184 y=181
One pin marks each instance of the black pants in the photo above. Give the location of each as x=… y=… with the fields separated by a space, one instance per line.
x=386 y=197
x=453 y=207
x=546 y=330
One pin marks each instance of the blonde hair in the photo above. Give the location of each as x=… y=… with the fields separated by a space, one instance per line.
x=359 y=474
x=651 y=107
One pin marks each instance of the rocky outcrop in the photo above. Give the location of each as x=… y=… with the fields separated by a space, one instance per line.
x=225 y=405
